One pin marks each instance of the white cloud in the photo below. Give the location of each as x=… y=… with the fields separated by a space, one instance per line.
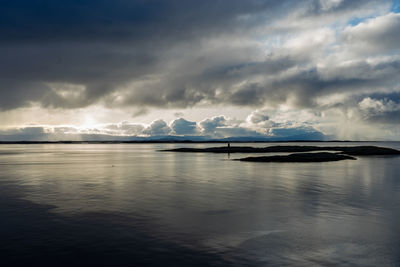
x=158 y=127
x=376 y=35
x=184 y=127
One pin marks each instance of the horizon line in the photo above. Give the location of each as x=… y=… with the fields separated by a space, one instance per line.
x=186 y=141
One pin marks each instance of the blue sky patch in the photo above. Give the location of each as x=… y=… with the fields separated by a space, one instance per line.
x=396 y=6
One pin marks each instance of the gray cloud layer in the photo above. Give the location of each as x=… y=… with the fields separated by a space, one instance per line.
x=168 y=54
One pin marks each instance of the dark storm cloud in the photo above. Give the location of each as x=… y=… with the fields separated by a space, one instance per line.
x=303 y=87
x=104 y=44
x=141 y=20
x=14 y=93
x=27 y=70
x=121 y=20
x=387 y=117
x=72 y=54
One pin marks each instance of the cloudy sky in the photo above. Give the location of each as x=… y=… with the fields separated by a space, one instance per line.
x=273 y=68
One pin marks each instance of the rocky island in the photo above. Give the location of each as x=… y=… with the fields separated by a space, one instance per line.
x=315 y=153
x=301 y=157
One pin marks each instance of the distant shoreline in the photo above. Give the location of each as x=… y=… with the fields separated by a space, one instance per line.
x=182 y=142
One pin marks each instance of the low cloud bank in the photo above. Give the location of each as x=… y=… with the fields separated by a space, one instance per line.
x=219 y=127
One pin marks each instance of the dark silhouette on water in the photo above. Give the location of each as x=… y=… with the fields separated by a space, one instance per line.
x=353 y=151
x=342 y=152
x=301 y=157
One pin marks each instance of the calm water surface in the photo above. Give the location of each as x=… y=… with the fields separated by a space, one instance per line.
x=129 y=205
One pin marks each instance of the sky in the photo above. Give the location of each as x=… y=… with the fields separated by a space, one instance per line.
x=288 y=69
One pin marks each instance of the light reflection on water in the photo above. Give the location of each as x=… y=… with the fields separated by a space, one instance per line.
x=133 y=204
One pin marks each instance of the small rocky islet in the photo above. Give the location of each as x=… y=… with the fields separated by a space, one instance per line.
x=299 y=153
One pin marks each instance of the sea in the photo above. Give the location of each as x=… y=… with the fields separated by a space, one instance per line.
x=133 y=205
